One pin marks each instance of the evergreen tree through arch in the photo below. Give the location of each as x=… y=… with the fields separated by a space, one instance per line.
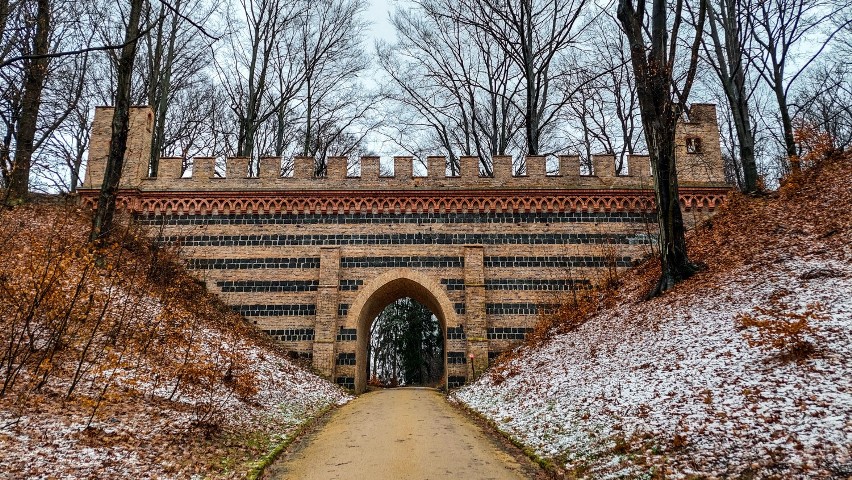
x=406 y=346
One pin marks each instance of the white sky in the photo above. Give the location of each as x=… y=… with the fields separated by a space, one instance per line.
x=377 y=15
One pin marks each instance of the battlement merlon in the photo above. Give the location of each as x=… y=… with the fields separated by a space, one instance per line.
x=698 y=156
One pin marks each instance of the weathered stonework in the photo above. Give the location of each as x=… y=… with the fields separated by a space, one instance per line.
x=312 y=261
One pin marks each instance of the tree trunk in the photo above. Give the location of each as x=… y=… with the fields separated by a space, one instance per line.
x=531 y=113
x=75 y=170
x=306 y=150
x=787 y=124
x=164 y=86
x=745 y=138
x=19 y=177
x=281 y=114
x=660 y=112
x=739 y=100
x=730 y=69
x=674 y=262
x=103 y=218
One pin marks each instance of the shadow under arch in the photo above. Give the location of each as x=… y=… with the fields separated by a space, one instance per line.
x=381 y=292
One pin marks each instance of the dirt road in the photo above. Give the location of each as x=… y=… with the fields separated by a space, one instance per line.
x=405 y=433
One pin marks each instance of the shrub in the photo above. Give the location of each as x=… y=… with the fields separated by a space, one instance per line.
x=80 y=321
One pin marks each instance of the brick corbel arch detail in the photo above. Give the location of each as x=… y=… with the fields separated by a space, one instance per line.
x=347 y=202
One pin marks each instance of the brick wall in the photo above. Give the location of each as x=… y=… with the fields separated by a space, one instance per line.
x=307 y=259
x=698 y=167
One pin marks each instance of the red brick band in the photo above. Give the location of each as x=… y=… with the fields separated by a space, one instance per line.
x=354 y=201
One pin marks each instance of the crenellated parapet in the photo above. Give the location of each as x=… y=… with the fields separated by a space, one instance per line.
x=698 y=156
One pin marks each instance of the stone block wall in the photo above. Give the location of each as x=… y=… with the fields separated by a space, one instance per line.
x=296 y=275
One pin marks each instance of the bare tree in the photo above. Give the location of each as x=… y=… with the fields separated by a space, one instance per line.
x=332 y=57
x=781 y=29
x=605 y=108
x=198 y=123
x=64 y=127
x=535 y=35
x=260 y=76
x=826 y=103
x=663 y=89
x=729 y=43
x=35 y=73
x=51 y=157
x=452 y=81
x=102 y=220
x=175 y=56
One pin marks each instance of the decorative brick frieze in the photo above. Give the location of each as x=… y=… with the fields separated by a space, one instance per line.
x=276 y=240
x=365 y=201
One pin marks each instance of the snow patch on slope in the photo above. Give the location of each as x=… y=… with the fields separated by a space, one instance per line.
x=673 y=385
x=152 y=438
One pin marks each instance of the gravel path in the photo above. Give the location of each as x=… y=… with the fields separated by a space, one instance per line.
x=404 y=433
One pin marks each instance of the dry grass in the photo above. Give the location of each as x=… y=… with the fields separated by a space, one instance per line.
x=71 y=314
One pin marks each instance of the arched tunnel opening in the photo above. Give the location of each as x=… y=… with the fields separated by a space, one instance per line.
x=406 y=293
x=406 y=346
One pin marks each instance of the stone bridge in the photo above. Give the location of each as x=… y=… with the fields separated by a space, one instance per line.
x=312 y=261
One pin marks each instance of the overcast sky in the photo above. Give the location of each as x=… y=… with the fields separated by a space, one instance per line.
x=377 y=14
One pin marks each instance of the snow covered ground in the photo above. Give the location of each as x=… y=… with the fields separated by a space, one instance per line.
x=157 y=438
x=631 y=381
x=679 y=387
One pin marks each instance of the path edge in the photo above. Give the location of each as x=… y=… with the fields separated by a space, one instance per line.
x=547 y=465
x=261 y=465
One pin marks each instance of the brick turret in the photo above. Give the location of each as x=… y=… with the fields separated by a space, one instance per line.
x=137 y=155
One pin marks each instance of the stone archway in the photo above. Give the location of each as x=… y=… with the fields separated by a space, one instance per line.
x=381 y=292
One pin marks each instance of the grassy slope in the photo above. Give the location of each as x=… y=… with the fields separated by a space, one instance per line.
x=741 y=371
x=178 y=384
